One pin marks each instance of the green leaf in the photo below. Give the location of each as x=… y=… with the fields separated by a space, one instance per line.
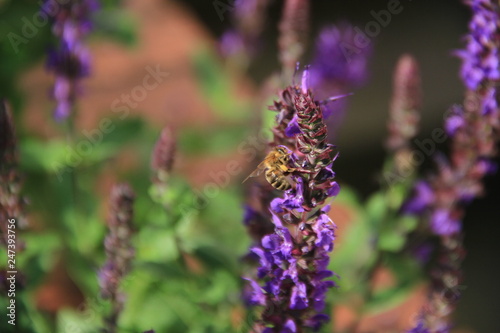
x=39 y=256
x=157 y=245
x=44 y=156
x=117 y=24
x=376 y=209
x=92 y=227
x=221 y=284
x=212 y=140
x=407 y=276
x=71 y=321
x=214 y=258
x=355 y=253
x=391 y=241
x=218 y=88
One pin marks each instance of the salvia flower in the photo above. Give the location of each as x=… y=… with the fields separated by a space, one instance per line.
x=70 y=59
x=480 y=58
x=459 y=180
x=119 y=249
x=404 y=118
x=293 y=259
x=293 y=30
x=162 y=158
x=11 y=202
x=338 y=66
x=248 y=20
x=406 y=100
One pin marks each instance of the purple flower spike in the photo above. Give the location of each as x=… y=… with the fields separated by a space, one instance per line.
x=70 y=60
x=11 y=201
x=293 y=260
x=480 y=58
x=473 y=129
x=119 y=250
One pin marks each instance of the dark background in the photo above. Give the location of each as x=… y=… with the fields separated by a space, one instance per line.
x=429 y=30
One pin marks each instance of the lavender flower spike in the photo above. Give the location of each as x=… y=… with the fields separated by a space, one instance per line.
x=294 y=259
x=70 y=60
x=119 y=250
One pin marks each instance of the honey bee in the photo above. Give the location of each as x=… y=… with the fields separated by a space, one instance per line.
x=275 y=167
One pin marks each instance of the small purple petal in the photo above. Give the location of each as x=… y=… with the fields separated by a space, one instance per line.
x=290 y=327
x=249 y=214
x=256 y=295
x=453 y=124
x=334 y=190
x=293 y=128
x=317 y=321
x=443 y=224
x=298 y=299
x=423 y=196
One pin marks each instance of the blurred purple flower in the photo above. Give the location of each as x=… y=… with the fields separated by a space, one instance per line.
x=70 y=59
x=334 y=59
x=453 y=124
x=443 y=224
x=231 y=44
x=422 y=197
x=119 y=250
x=420 y=328
x=338 y=66
x=481 y=57
x=243 y=39
x=474 y=137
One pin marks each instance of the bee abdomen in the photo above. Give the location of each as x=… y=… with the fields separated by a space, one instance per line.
x=278 y=181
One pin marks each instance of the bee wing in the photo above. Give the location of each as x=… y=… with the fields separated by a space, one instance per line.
x=261 y=167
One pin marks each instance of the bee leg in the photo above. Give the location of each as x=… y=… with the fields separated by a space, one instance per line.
x=302 y=170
